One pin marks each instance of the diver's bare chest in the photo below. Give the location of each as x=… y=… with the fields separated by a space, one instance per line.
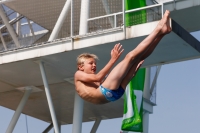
x=93 y=85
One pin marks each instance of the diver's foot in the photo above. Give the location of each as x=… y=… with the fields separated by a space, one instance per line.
x=164 y=24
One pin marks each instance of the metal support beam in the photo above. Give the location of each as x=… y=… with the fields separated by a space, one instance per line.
x=9 y=27
x=84 y=15
x=48 y=128
x=11 y=22
x=49 y=99
x=72 y=23
x=146 y=122
x=18 y=26
x=96 y=125
x=78 y=102
x=72 y=17
x=18 y=110
x=155 y=79
x=146 y=91
x=146 y=94
x=59 y=128
x=31 y=27
x=78 y=114
x=124 y=16
x=3 y=42
x=60 y=21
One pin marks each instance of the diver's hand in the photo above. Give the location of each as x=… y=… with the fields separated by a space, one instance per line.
x=116 y=52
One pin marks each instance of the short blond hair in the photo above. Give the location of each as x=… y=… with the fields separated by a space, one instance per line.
x=82 y=57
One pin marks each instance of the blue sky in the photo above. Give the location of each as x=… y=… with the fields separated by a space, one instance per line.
x=178 y=90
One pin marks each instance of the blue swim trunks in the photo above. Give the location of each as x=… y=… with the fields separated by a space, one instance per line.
x=112 y=95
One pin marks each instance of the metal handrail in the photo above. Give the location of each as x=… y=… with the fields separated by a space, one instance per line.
x=123 y=13
x=128 y=11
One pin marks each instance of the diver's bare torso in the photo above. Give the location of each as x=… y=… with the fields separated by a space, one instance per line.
x=90 y=92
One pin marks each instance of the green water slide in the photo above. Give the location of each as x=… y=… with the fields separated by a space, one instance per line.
x=137 y=17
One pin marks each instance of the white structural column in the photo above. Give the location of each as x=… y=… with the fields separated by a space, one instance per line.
x=60 y=21
x=96 y=125
x=146 y=95
x=78 y=114
x=146 y=122
x=148 y=89
x=9 y=27
x=148 y=109
x=84 y=15
x=78 y=102
x=146 y=92
x=19 y=110
x=49 y=99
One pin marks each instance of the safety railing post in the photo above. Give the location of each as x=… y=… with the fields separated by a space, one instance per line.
x=124 y=17
x=115 y=21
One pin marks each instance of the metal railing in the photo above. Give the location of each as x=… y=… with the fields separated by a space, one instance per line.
x=114 y=15
x=113 y=20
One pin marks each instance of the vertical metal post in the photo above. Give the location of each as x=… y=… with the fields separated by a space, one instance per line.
x=115 y=21
x=72 y=18
x=96 y=125
x=146 y=92
x=9 y=27
x=30 y=26
x=60 y=21
x=146 y=122
x=3 y=42
x=124 y=16
x=84 y=15
x=18 y=26
x=49 y=99
x=78 y=102
x=18 y=110
x=78 y=114
x=72 y=24
x=146 y=95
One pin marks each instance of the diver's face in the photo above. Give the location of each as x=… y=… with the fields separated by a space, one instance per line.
x=89 y=66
